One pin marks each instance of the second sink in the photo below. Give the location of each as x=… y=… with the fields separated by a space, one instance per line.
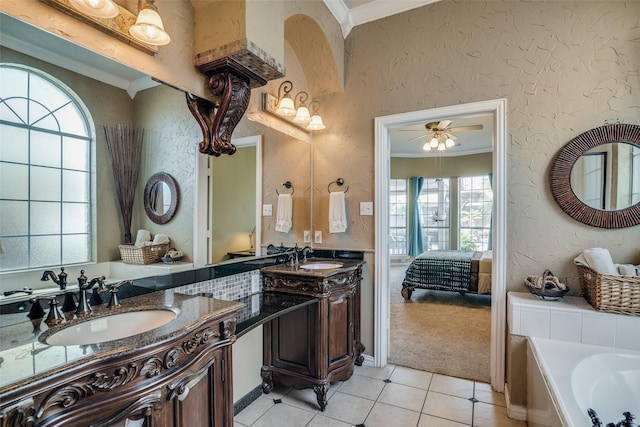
x=111 y=327
x=321 y=265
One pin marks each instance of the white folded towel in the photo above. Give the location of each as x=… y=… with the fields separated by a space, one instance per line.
x=628 y=270
x=284 y=214
x=142 y=237
x=159 y=239
x=337 y=212
x=599 y=260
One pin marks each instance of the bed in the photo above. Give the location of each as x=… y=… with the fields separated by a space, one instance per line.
x=457 y=271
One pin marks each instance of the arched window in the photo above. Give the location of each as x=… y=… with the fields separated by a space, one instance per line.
x=46 y=155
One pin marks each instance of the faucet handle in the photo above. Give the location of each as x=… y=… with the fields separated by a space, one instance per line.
x=54 y=317
x=82 y=280
x=113 y=301
x=62 y=279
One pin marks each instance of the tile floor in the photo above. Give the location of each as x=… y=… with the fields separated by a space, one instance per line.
x=385 y=397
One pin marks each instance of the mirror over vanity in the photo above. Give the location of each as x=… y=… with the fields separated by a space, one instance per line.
x=596 y=176
x=163 y=200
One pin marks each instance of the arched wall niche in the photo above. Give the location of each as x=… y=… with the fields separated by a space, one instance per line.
x=314 y=53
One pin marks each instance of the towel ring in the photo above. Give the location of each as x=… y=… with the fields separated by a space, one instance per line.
x=287 y=184
x=339 y=182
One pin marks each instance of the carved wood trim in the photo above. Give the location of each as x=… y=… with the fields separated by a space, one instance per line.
x=23 y=414
x=69 y=395
x=182 y=385
x=141 y=408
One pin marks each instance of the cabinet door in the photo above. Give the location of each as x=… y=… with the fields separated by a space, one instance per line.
x=341 y=327
x=294 y=340
x=201 y=397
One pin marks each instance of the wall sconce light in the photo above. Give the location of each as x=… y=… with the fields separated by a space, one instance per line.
x=293 y=110
x=148 y=27
x=97 y=8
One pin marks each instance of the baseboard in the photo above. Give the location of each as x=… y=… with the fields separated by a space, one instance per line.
x=516 y=412
x=247 y=399
x=368 y=361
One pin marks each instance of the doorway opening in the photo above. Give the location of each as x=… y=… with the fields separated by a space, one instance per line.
x=383 y=125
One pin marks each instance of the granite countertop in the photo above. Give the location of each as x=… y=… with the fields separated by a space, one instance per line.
x=299 y=270
x=23 y=357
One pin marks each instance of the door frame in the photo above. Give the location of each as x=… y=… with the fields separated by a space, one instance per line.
x=498 y=109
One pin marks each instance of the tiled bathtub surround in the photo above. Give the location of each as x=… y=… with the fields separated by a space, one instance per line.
x=571 y=319
x=226 y=288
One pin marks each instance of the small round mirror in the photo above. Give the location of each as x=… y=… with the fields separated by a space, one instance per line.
x=160 y=198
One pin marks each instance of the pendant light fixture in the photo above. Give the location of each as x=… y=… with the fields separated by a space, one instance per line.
x=148 y=27
x=302 y=112
x=285 y=103
x=96 y=8
x=294 y=110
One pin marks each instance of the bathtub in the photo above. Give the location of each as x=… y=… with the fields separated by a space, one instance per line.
x=578 y=377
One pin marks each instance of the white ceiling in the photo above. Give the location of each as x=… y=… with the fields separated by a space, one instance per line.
x=350 y=13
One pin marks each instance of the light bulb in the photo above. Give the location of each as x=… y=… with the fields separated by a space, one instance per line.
x=441 y=147
x=96 y=8
x=426 y=146
x=149 y=29
x=315 y=123
x=450 y=143
x=285 y=107
x=434 y=142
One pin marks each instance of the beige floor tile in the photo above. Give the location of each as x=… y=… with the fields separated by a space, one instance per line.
x=361 y=386
x=411 y=377
x=431 y=421
x=303 y=399
x=383 y=415
x=451 y=385
x=347 y=408
x=379 y=373
x=255 y=410
x=283 y=415
x=484 y=393
x=403 y=396
x=485 y=415
x=237 y=424
x=448 y=407
x=322 y=421
x=278 y=391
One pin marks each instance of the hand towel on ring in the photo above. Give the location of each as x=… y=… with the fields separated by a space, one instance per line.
x=284 y=214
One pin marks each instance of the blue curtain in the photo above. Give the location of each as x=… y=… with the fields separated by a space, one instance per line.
x=490 y=243
x=415 y=223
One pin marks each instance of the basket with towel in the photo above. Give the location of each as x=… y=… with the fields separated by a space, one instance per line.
x=547 y=286
x=607 y=286
x=145 y=250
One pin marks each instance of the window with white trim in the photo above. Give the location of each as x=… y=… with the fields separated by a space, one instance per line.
x=398 y=216
x=476 y=204
x=434 y=208
x=46 y=152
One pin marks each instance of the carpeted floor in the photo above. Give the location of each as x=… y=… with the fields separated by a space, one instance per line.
x=441 y=332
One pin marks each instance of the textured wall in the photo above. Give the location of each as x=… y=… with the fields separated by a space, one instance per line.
x=564 y=68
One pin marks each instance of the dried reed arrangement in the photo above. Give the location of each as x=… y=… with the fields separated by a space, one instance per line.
x=125 y=149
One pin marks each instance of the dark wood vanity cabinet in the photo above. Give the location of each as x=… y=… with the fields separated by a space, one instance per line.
x=184 y=381
x=319 y=343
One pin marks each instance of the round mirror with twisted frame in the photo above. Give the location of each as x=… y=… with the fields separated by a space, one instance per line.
x=621 y=173
x=160 y=198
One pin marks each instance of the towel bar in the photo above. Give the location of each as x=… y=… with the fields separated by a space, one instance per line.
x=287 y=184
x=339 y=182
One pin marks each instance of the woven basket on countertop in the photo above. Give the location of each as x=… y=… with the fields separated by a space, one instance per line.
x=141 y=255
x=606 y=292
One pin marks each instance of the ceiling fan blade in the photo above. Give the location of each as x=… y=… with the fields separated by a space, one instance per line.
x=464 y=128
x=417 y=138
x=443 y=124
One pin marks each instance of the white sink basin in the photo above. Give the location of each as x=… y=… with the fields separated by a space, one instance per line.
x=111 y=327
x=321 y=265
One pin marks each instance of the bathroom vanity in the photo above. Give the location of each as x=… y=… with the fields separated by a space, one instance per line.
x=178 y=374
x=319 y=343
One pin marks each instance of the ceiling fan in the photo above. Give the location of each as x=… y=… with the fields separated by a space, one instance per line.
x=439 y=134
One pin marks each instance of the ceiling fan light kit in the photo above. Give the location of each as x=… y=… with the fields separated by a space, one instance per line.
x=441 y=138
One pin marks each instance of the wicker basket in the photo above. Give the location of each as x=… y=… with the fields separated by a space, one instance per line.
x=143 y=254
x=615 y=294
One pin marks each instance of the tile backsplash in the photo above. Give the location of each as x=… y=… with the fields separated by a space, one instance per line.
x=228 y=288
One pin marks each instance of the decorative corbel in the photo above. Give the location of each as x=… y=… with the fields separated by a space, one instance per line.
x=217 y=122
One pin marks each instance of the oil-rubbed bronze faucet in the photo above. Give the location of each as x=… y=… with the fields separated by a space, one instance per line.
x=60 y=279
x=84 y=309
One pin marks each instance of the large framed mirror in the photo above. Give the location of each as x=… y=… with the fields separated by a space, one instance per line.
x=160 y=198
x=595 y=178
